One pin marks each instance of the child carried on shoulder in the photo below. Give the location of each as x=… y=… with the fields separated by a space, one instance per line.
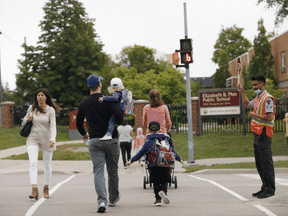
x=125 y=99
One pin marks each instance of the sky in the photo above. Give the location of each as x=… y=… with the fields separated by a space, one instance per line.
x=157 y=24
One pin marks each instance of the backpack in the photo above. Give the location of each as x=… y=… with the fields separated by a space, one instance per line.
x=128 y=101
x=161 y=153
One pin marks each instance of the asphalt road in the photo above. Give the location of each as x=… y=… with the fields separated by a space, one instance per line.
x=205 y=193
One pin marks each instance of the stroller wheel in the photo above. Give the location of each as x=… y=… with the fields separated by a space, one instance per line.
x=144 y=183
x=175 y=182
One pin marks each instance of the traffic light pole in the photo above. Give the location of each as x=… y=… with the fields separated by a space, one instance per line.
x=189 y=106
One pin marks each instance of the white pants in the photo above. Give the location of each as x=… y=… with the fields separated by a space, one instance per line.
x=33 y=152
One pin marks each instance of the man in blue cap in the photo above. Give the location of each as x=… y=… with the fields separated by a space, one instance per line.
x=97 y=115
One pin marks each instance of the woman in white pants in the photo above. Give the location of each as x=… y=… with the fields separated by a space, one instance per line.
x=42 y=137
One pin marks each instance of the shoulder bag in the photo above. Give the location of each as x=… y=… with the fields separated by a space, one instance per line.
x=25 y=130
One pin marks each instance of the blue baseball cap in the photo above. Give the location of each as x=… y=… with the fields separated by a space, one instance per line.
x=94 y=80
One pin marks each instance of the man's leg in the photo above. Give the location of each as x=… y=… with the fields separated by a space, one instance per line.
x=129 y=147
x=257 y=141
x=98 y=159
x=123 y=152
x=112 y=158
x=266 y=161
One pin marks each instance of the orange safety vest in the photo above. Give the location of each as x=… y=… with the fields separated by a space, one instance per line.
x=257 y=124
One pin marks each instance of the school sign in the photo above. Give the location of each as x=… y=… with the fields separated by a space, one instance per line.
x=219 y=102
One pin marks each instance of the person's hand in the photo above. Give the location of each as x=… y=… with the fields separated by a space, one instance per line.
x=30 y=118
x=252 y=114
x=181 y=162
x=128 y=163
x=101 y=99
x=51 y=143
x=86 y=136
x=240 y=88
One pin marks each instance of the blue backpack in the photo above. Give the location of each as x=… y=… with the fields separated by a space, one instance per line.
x=128 y=101
x=161 y=153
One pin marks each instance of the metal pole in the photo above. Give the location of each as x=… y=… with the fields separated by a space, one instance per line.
x=189 y=106
x=1 y=95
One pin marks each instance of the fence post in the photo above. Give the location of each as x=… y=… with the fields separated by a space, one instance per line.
x=139 y=105
x=7 y=114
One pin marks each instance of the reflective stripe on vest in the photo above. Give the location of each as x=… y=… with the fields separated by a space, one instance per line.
x=260 y=112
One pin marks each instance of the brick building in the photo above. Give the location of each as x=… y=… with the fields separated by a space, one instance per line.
x=279 y=51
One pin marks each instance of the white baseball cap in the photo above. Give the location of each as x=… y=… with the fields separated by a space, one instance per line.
x=116 y=82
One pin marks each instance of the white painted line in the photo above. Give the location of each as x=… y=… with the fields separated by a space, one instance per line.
x=222 y=187
x=40 y=201
x=266 y=211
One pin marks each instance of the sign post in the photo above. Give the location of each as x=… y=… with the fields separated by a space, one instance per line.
x=238 y=68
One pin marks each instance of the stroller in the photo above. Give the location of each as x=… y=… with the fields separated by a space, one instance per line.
x=147 y=177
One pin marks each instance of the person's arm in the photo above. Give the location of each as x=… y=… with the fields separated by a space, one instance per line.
x=141 y=152
x=131 y=133
x=168 y=119
x=53 y=127
x=245 y=99
x=114 y=97
x=144 y=119
x=269 y=107
x=118 y=114
x=178 y=158
x=79 y=122
x=28 y=114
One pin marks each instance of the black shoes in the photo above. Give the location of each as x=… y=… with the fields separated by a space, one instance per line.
x=265 y=194
x=262 y=194
x=257 y=193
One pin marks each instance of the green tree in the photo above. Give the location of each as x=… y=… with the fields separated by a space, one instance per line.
x=232 y=41
x=262 y=61
x=269 y=86
x=68 y=51
x=282 y=9
x=169 y=82
x=222 y=72
x=139 y=57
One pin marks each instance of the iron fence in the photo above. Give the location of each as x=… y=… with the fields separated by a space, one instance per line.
x=178 y=115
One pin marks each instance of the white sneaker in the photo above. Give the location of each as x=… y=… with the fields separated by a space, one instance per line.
x=102 y=207
x=86 y=141
x=164 y=197
x=106 y=137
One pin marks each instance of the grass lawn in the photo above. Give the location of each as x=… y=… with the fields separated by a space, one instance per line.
x=210 y=146
x=10 y=137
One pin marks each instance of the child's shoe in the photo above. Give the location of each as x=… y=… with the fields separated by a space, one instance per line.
x=106 y=137
x=157 y=202
x=164 y=197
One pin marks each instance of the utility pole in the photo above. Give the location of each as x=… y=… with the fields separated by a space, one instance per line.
x=188 y=97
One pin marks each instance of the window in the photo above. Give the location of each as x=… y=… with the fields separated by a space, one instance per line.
x=283 y=62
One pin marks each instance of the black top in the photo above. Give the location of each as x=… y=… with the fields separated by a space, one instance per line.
x=97 y=115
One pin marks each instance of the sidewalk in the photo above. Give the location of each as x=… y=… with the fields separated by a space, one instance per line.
x=84 y=167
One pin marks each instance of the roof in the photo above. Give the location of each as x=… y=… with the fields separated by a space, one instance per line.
x=206 y=81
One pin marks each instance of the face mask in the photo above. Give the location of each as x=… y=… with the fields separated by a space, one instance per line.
x=258 y=91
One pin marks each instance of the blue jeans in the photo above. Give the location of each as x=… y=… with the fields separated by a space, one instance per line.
x=102 y=152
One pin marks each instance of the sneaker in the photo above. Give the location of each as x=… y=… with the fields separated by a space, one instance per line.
x=157 y=202
x=86 y=141
x=117 y=200
x=101 y=208
x=164 y=197
x=106 y=137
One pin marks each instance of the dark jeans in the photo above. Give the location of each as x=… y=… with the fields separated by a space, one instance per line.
x=264 y=161
x=126 y=147
x=160 y=178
